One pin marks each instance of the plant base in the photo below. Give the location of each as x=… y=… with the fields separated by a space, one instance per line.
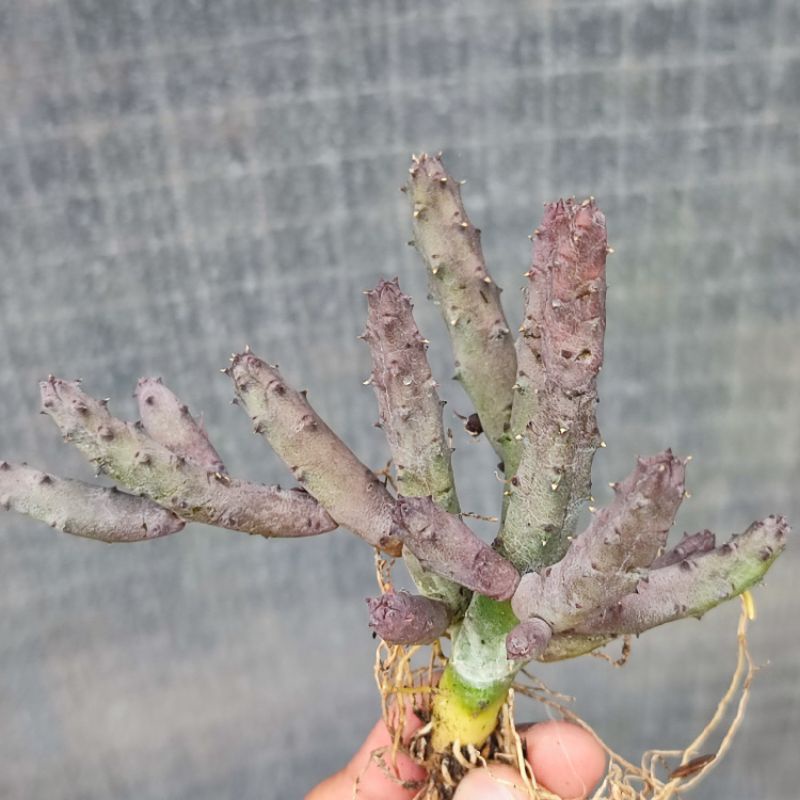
x=407 y=680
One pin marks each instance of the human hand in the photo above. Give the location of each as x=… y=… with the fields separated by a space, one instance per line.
x=565 y=759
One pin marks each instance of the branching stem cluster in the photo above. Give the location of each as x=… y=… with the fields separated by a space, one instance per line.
x=543 y=590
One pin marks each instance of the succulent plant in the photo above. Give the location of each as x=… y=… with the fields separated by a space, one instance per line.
x=543 y=591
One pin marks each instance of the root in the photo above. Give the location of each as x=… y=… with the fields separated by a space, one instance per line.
x=666 y=774
x=406 y=678
x=623 y=656
x=386 y=474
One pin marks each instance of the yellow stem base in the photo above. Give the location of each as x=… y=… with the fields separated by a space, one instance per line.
x=463 y=713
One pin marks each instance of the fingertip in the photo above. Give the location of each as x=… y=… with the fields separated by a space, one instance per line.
x=496 y=782
x=565 y=758
x=370 y=771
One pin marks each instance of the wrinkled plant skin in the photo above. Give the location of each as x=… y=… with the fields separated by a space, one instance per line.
x=543 y=591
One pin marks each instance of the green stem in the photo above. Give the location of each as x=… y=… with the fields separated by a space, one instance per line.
x=467 y=296
x=148 y=468
x=475 y=683
x=403 y=383
x=319 y=460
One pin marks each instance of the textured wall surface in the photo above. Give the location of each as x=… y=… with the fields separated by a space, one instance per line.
x=179 y=178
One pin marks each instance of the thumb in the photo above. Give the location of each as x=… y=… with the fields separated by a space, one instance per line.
x=496 y=782
x=565 y=759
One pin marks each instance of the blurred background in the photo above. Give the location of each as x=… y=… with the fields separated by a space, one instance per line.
x=179 y=178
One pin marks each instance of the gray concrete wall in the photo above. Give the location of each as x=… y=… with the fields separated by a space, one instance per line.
x=180 y=178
